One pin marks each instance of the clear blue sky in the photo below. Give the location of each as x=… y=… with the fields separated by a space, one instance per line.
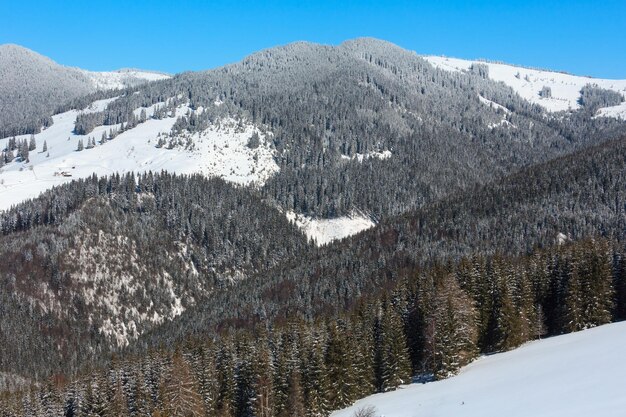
x=583 y=37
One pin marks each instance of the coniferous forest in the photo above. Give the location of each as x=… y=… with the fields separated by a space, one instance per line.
x=426 y=326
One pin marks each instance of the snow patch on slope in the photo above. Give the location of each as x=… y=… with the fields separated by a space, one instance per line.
x=223 y=151
x=324 y=231
x=617 y=112
x=493 y=104
x=528 y=83
x=498 y=108
x=360 y=157
x=575 y=375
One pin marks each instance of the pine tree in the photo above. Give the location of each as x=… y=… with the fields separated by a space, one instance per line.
x=45 y=146
x=80 y=146
x=314 y=381
x=511 y=318
x=22 y=151
x=619 y=283
x=451 y=332
x=339 y=368
x=203 y=364
x=226 y=378
x=596 y=277
x=32 y=144
x=181 y=397
x=295 y=400
x=263 y=403
x=392 y=354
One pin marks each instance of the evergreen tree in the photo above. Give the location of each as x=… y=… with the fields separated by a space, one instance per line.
x=225 y=404
x=392 y=353
x=295 y=400
x=314 y=378
x=181 y=397
x=32 y=144
x=339 y=367
x=451 y=332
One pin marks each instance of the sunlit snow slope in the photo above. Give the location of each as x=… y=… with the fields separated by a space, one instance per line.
x=109 y=80
x=219 y=151
x=324 y=231
x=529 y=82
x=576 y=375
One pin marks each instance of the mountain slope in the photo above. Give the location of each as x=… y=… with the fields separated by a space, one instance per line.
x=564 y=89
x=95 y=263
x=577 y=374
x=361 y=127
x=578 y=196
x=33 y=86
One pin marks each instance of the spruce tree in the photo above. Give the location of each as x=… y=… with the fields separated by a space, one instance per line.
x=451 y=332
x=314 y=379
x=393 y=356
x=339 y=367
x=181 y=397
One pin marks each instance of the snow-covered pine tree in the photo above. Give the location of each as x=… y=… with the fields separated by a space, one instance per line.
x=181 y=397
x=451 y=332
x=393 y=355
x=32 y=144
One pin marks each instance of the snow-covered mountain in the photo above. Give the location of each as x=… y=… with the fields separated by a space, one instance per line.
x=32 y=85
x=578 y=374
x=528 y=83
x=223 y=148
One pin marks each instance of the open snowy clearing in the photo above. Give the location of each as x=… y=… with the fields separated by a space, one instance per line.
x=120 y=79
x=576 y=375
x=219 y=151
x=529 y=82
x=324 y=231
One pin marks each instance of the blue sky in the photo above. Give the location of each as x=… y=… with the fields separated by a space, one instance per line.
x=173 y=36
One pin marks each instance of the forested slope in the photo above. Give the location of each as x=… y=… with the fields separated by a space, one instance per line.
x=576 y=196
x=95 y=263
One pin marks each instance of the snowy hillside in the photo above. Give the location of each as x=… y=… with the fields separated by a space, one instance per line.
x=565 y=88
x=109 y=80
x=32 y=86
x=579 y=374
x=219 y=151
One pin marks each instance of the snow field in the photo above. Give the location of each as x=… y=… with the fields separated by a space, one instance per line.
x=528 y=82
x=575 y=375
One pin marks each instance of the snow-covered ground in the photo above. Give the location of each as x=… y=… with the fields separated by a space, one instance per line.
x=121 y=78
x=324 y=231
x=618 y=112
x=220 y=151
x=576 y=375
x=529 y=82
x=359 y=157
